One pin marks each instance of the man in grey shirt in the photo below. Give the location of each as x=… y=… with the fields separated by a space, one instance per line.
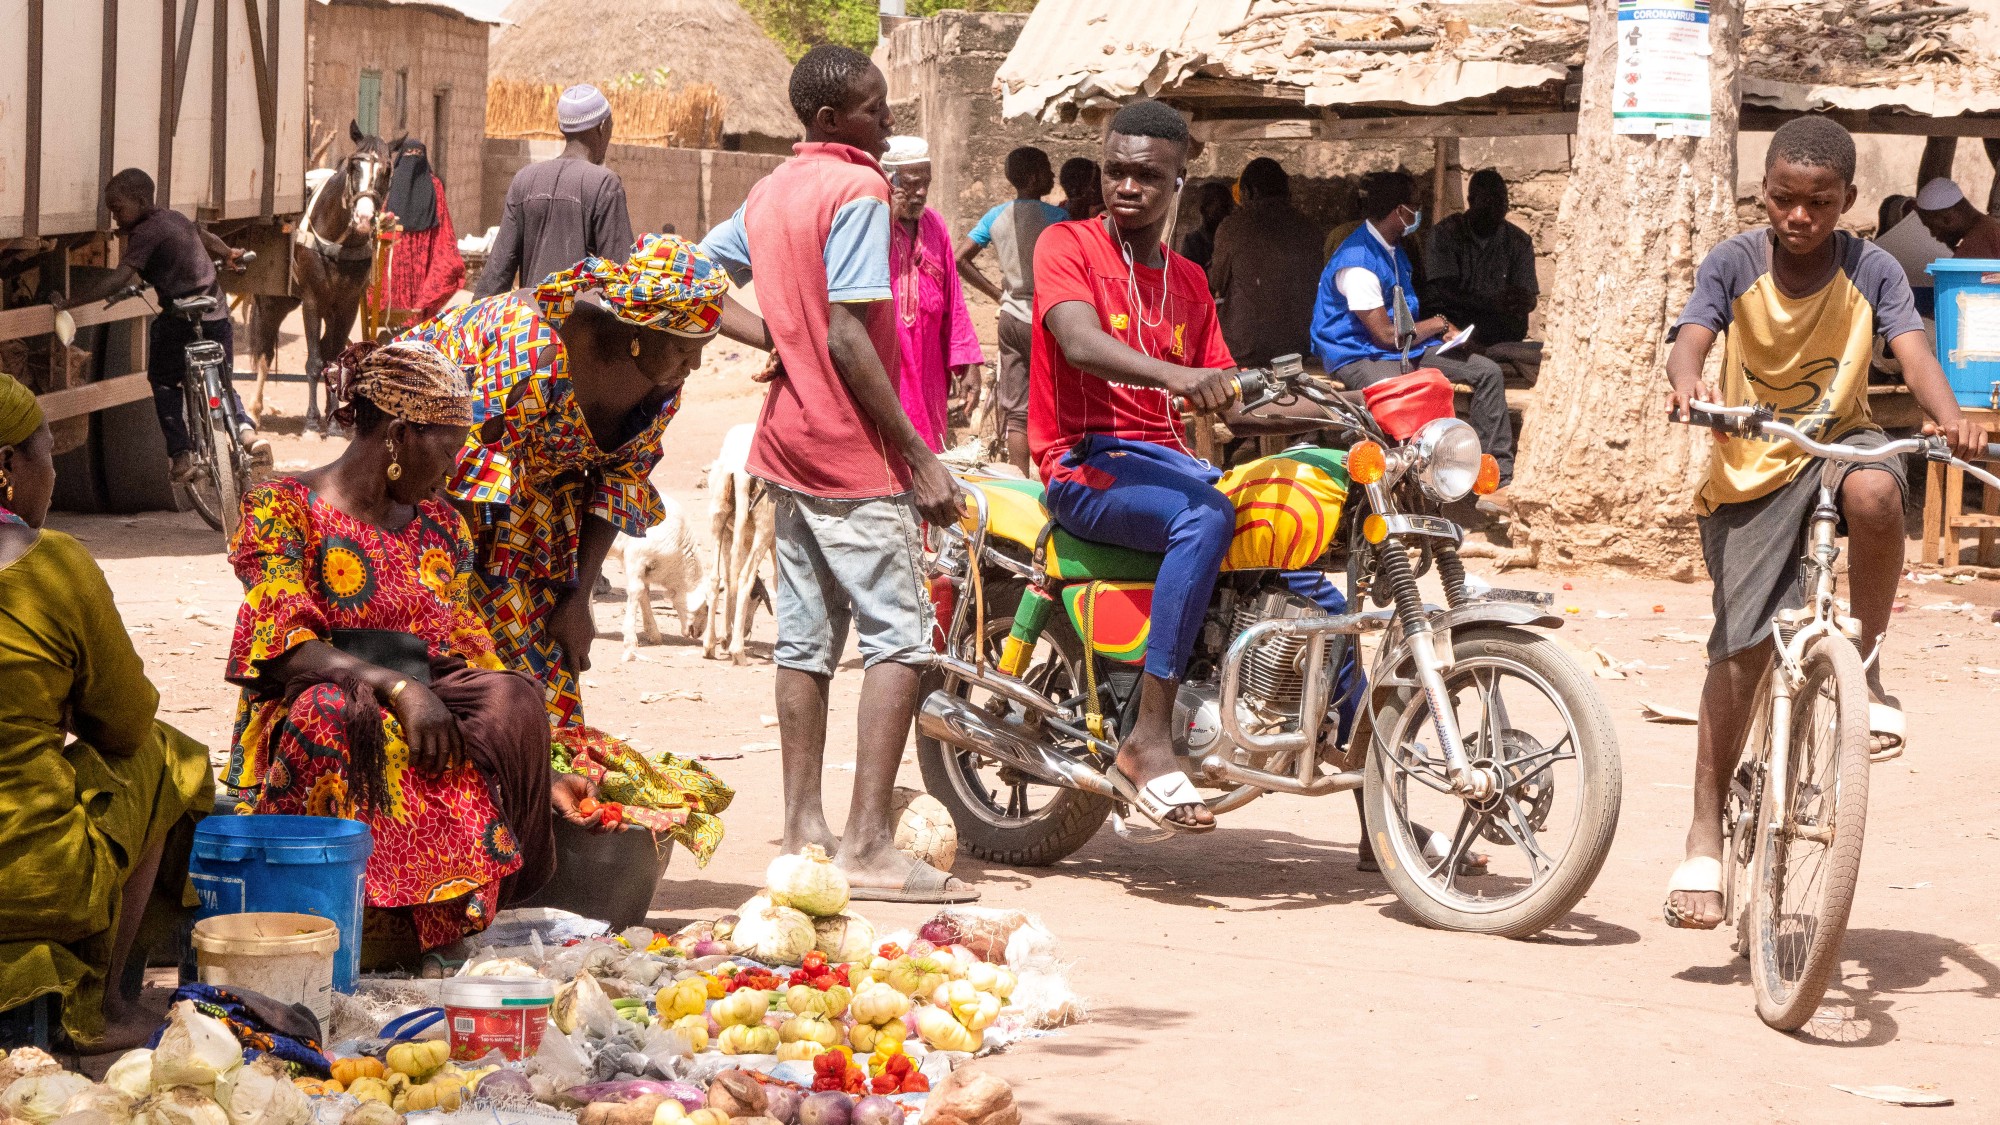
x=561 y=211
x=1011 y=229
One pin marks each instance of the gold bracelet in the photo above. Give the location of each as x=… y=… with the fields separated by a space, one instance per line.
x=397 y=690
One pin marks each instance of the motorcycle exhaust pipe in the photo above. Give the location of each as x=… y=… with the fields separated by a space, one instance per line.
x=954 y=722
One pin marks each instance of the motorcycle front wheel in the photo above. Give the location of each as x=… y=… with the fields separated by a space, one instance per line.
x=1527 y=712
x=1001 y=815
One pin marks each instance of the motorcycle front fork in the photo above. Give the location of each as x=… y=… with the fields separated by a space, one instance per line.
x=1393 y=568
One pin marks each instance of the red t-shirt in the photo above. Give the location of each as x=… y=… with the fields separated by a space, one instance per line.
x=1079 y=261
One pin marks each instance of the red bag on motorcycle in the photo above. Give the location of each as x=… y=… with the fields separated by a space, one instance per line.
x=1407 y=403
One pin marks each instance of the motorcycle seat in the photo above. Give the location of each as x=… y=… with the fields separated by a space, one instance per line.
x=1017 y=512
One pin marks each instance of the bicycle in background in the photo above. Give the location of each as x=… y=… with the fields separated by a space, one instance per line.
x=213 y=484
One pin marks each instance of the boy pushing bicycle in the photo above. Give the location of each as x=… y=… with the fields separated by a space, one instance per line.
x=1800 y=304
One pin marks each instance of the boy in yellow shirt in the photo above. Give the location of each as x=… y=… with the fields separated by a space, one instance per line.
x=1800 y=304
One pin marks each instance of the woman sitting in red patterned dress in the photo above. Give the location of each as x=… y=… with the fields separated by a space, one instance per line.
x=371 y=688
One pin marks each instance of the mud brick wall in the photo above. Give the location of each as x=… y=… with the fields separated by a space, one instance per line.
x=436 y=60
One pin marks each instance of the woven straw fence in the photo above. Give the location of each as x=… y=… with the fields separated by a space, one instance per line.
x=687 y=117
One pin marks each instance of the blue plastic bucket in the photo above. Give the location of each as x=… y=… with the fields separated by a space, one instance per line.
x=1968 y=328
x=286 y=864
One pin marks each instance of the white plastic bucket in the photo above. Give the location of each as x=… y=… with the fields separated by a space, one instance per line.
x=288 y=957
x=507 y=1014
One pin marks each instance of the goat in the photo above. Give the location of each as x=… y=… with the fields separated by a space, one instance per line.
x=743 y=517
x=668 y=558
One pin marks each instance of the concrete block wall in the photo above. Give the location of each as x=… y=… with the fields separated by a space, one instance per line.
x=440 y=51
x=691 y=189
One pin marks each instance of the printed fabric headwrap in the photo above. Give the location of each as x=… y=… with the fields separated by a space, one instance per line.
x=20 y=414
x=409 y=379
x=667 y=283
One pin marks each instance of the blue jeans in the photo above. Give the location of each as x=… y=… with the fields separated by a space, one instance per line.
x=1151 y=498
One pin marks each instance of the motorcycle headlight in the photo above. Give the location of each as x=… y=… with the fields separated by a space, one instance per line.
x=1447 y=457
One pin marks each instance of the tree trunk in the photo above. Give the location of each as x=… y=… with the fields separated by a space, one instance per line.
x=1605 y=481
x=1940 y=153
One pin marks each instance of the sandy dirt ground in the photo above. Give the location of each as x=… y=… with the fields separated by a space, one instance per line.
x=1255 y=975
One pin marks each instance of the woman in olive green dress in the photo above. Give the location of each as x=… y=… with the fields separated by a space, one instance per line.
x=91 y=785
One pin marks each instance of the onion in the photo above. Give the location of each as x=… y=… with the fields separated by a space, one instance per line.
x=711 y=949
x=506 y=1084
x=939 y=931
x=877 y=1110
x=828 y=1107
x=690 y=1096
x=782 y=1103
x=629 y=1090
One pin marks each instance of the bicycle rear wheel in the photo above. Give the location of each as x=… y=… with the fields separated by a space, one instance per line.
x=1808 y=864
x=203 y=490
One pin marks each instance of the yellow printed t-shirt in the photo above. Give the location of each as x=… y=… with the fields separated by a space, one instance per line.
x=1805 y=357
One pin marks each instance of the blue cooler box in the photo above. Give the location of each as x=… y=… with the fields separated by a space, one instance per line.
x=287 y=864
x=1968 y=328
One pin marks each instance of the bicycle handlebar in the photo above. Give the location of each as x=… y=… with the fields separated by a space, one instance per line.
x=1749 y=421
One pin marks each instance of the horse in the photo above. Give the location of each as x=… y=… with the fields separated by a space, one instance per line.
x=331 y=253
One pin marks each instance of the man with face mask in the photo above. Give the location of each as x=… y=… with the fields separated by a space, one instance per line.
x=1354 y=330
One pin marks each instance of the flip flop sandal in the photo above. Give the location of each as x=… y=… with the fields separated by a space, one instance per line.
x=1157 y=799
x=1700 y=874
x=924 y=884
x=1887 y=732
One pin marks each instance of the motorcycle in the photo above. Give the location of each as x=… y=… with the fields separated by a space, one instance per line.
x=1471 y=724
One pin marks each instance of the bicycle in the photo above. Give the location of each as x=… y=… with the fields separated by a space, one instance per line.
x=222 y=467
x=1794 y=822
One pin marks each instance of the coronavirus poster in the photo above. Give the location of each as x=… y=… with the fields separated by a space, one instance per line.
x=1662 y=86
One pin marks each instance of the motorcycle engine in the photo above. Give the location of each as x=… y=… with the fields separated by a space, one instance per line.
x=1274 y=672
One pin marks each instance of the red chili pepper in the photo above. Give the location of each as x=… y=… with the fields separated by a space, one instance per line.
x=823 y=981
x=883 y=1084
x=587 y=807
x=916 y=1083
x=889 y=951
x=814 y=962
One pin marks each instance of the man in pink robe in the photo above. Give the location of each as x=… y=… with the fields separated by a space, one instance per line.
x=937 y=345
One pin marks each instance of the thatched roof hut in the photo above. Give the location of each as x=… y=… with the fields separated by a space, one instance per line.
x=712 y=41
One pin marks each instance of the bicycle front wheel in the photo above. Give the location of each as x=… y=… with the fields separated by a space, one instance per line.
x=1809 y=853
x=203 y=489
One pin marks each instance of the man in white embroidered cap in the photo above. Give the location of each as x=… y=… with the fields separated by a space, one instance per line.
x=1953 y=220
x=561 y=211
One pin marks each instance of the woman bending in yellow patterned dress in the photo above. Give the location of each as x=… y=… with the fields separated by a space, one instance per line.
x=576 y=381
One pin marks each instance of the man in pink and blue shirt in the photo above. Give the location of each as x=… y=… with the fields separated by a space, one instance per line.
x=852 y=474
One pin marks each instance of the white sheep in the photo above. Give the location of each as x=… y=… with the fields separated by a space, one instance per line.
x=667 y=559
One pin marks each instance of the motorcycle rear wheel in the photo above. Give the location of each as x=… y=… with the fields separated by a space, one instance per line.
x=1517 y=820
x=1021 y=824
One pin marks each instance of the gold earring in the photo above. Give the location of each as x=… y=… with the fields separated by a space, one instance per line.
x=395 y=469
x=635 y=347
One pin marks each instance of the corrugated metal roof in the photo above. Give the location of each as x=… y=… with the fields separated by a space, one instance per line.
x=482 y=11
x=1095 y=53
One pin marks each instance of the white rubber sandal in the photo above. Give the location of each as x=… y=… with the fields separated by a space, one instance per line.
x=1887 y=731
x=1699 y=874
x=1158 y=798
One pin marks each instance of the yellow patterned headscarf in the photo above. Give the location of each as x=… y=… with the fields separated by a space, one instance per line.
x=667 y=283
x=20 y=414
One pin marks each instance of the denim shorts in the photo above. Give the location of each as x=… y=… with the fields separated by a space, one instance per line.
x=849 y=560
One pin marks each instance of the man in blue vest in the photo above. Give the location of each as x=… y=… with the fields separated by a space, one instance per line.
x=1353 y=327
